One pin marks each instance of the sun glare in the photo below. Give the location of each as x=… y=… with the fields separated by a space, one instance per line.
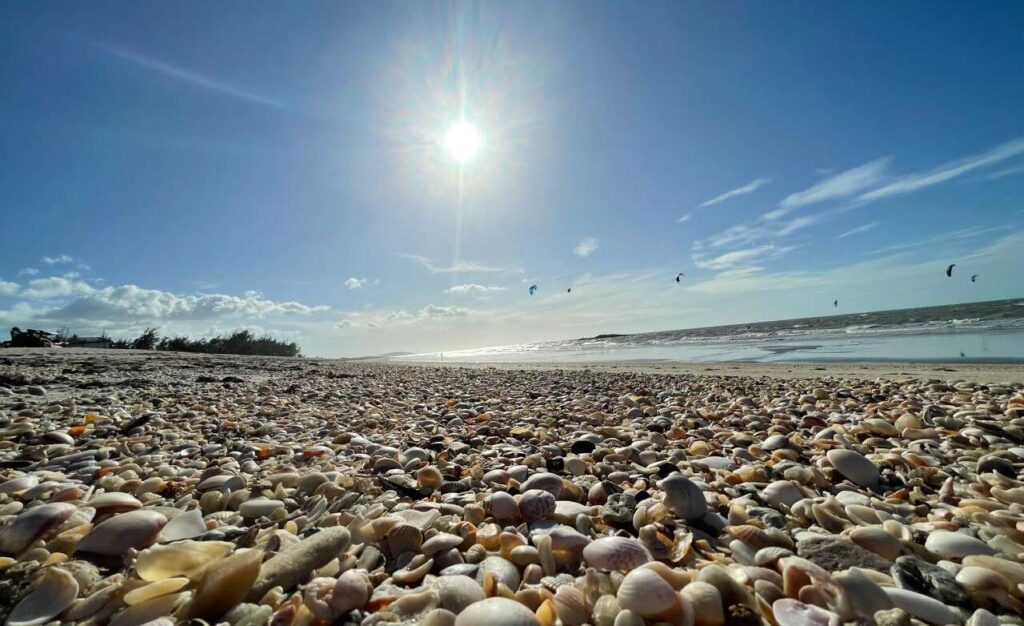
x=462 y=141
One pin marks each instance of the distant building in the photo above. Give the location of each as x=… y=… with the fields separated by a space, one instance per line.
x=89 y=342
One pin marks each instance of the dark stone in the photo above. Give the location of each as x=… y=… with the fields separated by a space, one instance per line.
x=992 y=463
x=582 y=446
x=741 y=615
x=916 y=575
x=834 y=554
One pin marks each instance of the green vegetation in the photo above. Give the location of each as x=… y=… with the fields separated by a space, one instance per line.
x=239 y=342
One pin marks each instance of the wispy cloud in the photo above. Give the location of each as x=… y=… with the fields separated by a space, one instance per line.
x=458 y=266
x=586 y=247
x=471 y=288
x=183 y=74
x=750 y=187
x=731 y=260
x=858 y=230
x=842 y=185
x=28 y=271
x=948 y=171
x=685 y=218
x=356 y=283
x=947 y=237
x=1003 y=173
x=60 y=259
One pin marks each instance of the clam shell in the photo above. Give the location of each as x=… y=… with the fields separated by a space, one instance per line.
x=536 y=504
x=118 y=534
x=31 y=524
x=187 y=525
x=53 y=591
x=781 y=492
x=154 y=590
x=571 y=606
x=706 y=602
x=854 y=466
x=503 y=506
x=922 y=607
x=790 y=612
x=545 y=481
x=877 y=540
x=684 y=497
x=497 y=612
x=616 y=553
x=951 y=545
x=458 y=592
x=225 y=584
x=647 y=594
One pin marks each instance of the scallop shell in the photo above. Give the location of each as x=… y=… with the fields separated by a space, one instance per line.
x=854 y=466
x=647 y=594
x=571 y=606
x=497 y=612
x=616 y=553
x=782 y=492
x=684 y=497
x=536 y=504
x=53 y=591
x=706 y=602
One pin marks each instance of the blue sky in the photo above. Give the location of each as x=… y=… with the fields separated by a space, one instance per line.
x=207 y=166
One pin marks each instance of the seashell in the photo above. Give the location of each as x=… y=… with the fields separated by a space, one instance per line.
x=922 y=606
x=752 y=536
x=503 y=570
x=616 y=553
x=32 y=524
x=647 y=594
x=458 y=592
x=629 y=618
x=185 y=558
x=570 y=606
x=684 y=497
x=293 y=564
x=860 y=596
x=536 y=504
x=983 y=579
x=1011 y=570
x=187 y=525
x=52 y=592
x=545 y=481
x=440 y=542
x=158 y=607
x=259 y=507
x=790 y=612
x=767 y=557
x=496 y=612
x=437 y=617
x=403 y=538
x=429 y=477
x=114 y=502
x=706 y=602
x=503 y=506
x=605 y=610
x=154 y=590
x=227 y=582
x=854 y=466
x=951 y=545
x=877 y=540
x=781 y=492
x=120 y=533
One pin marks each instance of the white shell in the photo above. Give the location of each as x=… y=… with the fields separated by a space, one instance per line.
x=950 y=545
x=647 y=594
x=706 y=602
x=922 y=606
x=497 y=612
x=616 y=553
x=790 y=612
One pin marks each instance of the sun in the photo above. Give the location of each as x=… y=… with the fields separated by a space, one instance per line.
x=462 y=141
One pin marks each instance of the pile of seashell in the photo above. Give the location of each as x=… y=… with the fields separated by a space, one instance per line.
x=149 y=489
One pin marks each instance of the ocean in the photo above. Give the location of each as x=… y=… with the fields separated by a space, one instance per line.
x=978 y=332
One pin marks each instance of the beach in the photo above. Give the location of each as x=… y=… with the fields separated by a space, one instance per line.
x=154 y=488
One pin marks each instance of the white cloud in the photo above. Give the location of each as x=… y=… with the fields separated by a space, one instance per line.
x=57 y=260
x=8 y=288
x=356 y=283
x=1003 y=173
x=921 y=180
x=955 y=235
x=28 y=271
x=54 y=287
x=586 y=247
x=431 y=313
x=458 y=266
x=685 y=218
x=730 y=259
x=858 y=230
x=473 y=289
x=842 y=185
x=750 y=187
